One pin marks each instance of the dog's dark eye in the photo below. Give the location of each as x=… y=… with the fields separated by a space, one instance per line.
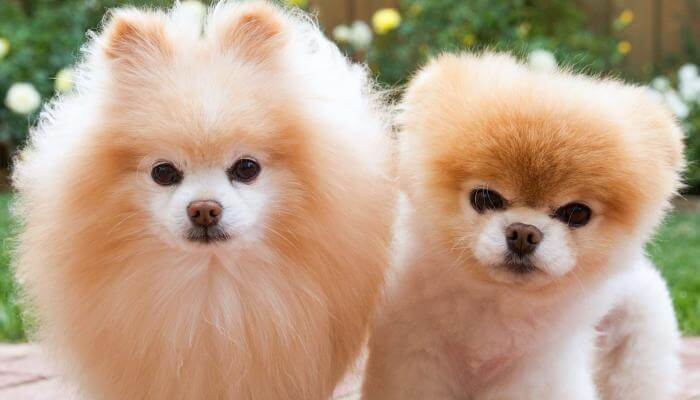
x=165 y=174
x=575 y=215
x=483 y=199
x=244 y=170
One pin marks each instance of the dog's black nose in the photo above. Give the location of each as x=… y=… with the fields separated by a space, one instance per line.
x=522 y=238
x=204 y=213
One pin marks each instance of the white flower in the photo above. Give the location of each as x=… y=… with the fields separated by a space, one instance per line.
x=342 y=33
x=64 y=80
x=192 y=12
x=4 y=47
x=688 y=72
x=542 y=60
x=194 y=7
x=690 y=89
x=22 y=98
x=360 y=35
x=661 y=83
x=656 y=95
x=676 y=104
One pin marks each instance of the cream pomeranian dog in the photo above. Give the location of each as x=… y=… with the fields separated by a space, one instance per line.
x=208 y=215
x=520 y=269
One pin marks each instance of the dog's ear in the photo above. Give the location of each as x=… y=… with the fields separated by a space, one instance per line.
x=136 y=38
x=663 y=131
x=252 y=31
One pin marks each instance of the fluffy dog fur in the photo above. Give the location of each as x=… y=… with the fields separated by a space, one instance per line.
x=135 y=309
x=594 y=318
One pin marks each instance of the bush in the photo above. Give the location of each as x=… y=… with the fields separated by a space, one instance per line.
x=681 y=93
x=693 y=151
x=44 y=36
x=692 y=130
x=429 y=27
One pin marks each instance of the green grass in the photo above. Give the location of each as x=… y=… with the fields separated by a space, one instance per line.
x=11 y=326
x=676 y=251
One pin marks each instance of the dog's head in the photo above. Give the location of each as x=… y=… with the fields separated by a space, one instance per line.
x=218 y=138
x=208 y=139
x=531 y=177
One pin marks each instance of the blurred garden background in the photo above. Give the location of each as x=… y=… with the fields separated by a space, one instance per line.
x=654 y=43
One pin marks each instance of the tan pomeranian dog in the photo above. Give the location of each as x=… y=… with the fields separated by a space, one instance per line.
x=520 y=267
x=207 y=215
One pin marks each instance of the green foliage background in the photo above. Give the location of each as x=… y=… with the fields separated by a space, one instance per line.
x=45 y=36
x=430 y=27
x=692 y=131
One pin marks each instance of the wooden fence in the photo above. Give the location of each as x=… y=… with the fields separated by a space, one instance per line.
x=661 y=28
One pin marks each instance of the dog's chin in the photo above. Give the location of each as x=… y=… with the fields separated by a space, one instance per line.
x=516 y=270
x=519 y=265
x=207 y=236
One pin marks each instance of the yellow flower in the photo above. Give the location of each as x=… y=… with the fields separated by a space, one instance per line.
x=469 y=39
x=624 y=47
x=4 y=47
x=298 y=3
x=626 y=17
x=64 y=80
x=385 y=20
